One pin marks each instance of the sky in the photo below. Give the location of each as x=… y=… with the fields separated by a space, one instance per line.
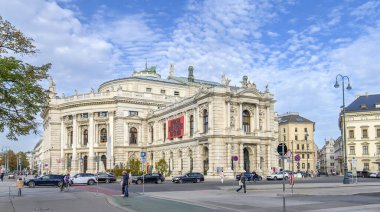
x=297 y=48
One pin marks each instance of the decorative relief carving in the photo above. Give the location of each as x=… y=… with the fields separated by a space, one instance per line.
x=261 y=115
x=133 y=124
x=202 y=108
x=250 y=108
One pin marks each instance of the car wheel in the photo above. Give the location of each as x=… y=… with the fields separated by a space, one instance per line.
x=91 y=182
x=198 y=180
x=60 y=183
x=107 y=180
x=275 y=178
x=139 y=182
x=32 y=184
x=286 y=178
x=180 y=181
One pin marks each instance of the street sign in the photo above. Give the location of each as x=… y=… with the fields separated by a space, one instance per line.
x=236 y=158
x=142 y=154
x=297 y=158
x=282 y=149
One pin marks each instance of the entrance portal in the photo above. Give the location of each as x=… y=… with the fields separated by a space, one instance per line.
x=246 y=160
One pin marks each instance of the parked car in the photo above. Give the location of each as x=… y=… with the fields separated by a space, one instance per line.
x=373 y=175
x=194 y=177
x=149 y=178
x=349 y=174
x=46 y=180
x=105 y=177
x=278 y=176
x=84 y=178
x=363 y=174
x=250 y=176
x=11 y=176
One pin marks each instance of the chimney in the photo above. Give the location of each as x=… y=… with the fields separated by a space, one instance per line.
x=190 y=78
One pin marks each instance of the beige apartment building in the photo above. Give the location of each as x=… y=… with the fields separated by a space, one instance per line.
x=363 y=133
x=194 y=125
x=297 y=133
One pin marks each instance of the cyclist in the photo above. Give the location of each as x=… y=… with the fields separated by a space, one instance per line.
x=66 y=182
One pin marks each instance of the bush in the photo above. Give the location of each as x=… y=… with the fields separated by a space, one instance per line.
x=162 y=167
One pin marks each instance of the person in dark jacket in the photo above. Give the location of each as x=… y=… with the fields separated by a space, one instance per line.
x=125 y=183
x=242 y=183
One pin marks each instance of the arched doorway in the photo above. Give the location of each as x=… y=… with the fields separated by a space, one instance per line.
x=246 y=164
x=205 y=161
x=85 y=164
x=104 y=162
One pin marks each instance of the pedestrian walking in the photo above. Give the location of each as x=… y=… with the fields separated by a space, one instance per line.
x=221 y=176
x=122 y=184
x=126 y=183
x=242 y=183
x=2 y=170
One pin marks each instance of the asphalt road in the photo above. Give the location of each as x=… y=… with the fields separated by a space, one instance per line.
x=215 y=184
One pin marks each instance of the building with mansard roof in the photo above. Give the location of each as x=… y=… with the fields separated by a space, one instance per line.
x=195 y=125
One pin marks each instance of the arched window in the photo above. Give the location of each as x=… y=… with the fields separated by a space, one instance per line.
x=191 y=125
x=103 y=135
x=133 y=136
x=85 y=137
x=205 y=121
x=246 y=121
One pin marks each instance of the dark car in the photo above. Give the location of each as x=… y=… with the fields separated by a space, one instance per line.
x=363 y=174
x=149 y=178
x=47 y=180
x=250 y=176
x=105 y=177
x=194 y=177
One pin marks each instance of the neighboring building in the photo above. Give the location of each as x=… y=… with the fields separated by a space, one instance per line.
x=297 y=133
x=327 y=157
x=195 y=125
x=37 y=158
x=363 y=133
x=338 y=154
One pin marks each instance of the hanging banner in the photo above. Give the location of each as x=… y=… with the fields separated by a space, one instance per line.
x=175 y=127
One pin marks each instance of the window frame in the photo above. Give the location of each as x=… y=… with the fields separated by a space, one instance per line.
x=133 y=134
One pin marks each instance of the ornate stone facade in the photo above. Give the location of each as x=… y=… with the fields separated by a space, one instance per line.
x=99 y=130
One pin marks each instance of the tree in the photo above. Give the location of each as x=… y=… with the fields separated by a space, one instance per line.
x=134 y=166
x=162 y=166
x=21 y=95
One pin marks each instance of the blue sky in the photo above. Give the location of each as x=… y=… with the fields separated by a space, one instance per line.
x=296 y=47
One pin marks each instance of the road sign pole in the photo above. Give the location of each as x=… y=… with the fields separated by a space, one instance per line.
x=283 y=177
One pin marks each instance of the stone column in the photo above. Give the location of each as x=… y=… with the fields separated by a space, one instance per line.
x=241 y=158
x=210 y=118
x=269 y=162
x=258 y=155
x=240 y=116
x=228 y=114
x=112 y=140
x=62 y=156
x=91 y=141
x=199 y=120
x=264 y=168
x=257 y=114
x=74 y=162
x=211 y=159
x=268 y=117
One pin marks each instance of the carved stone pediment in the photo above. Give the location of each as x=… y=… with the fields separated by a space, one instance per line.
x=249 y=92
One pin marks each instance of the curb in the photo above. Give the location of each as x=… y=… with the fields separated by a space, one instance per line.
x=113 y=203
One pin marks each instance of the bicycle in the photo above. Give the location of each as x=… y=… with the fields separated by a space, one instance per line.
x=65 y=186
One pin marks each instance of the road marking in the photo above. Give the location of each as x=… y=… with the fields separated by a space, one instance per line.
x=351 y=208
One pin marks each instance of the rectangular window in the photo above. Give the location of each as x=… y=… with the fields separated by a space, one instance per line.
x=284 y=130
x=163 y=91
x=295 y=129
x=352 y=150
x=378 y=150
x=305 y=137
x=85 y=115
x=377 y=105
x=365 y=150
x=331 y=164
x=365 y=133
x=305 y=129
x=296 y=137
x=351 y=134
x=298 y=146
x=176 y=93
x=303 y=146
x=378 y=133
x=102 y=114
x=366 y=167
x=303 y=156
x=303 y=165
x=284 y=138
x=332 y=157
x=149 y=90
x=133 y=113
x=308 y=156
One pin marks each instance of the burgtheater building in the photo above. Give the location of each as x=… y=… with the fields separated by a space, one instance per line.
x=195 y=125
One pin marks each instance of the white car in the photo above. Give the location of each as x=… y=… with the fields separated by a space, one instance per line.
x=84 y=178
x=278 y=176
x=373 y=175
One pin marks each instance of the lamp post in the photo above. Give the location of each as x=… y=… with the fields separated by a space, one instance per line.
x=345 y=179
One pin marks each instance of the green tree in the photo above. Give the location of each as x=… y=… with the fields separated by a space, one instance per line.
x=21 y=95
x=162 y=166
x=135 y=166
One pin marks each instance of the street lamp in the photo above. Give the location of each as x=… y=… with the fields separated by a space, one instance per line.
x=345 y=179
x=6 y=162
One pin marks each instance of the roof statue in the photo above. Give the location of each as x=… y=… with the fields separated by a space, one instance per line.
x=245 y=83
x=92 y=90
x=225 y=81
x=267 y=88
x=76 y=92
x=171 y=72
x=190 y=78
x=52 y=88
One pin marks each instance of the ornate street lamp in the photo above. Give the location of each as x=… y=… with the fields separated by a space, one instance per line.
x=345 y=179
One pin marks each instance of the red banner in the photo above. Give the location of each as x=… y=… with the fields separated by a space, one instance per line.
x=175 y=127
